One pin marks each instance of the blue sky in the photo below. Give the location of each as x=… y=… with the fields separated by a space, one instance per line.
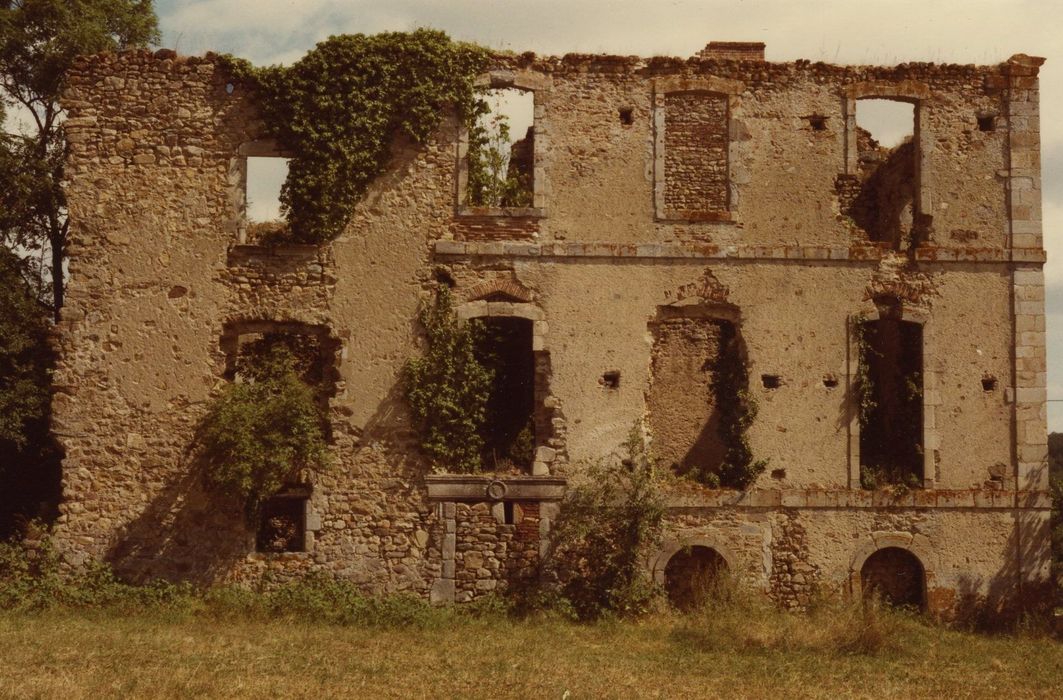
x=840 y=31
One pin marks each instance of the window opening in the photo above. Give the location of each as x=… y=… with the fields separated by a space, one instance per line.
x=989 y=383
x=627 y=116
x=611 y=379
x=693 y=576
x=315 y=354
x=265 y=178
x=501 y=154
x=896 y=575
x=885 y=206
x=986 y=122
x=507 y=510
x=890 y=390
x=818 y=122
x=504 y=346
x=282 y=522
x=830 y=381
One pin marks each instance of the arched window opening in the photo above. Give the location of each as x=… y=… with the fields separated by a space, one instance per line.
x=890 y=394
x=504 y=346
x=896 y=576
x=693 y=577
x=501 y=151
x=886 y=204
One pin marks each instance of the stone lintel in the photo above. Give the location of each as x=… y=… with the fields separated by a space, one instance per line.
x=502 y=487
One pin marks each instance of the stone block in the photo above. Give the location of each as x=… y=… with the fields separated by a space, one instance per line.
x=442 y=591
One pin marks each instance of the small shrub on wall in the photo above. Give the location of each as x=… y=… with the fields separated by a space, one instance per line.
x=608 y=522
x=448 y=388
x=262 y=431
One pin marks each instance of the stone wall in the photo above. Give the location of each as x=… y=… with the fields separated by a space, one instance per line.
x=159 y=273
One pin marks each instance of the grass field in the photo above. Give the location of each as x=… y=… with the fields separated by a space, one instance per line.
x=736 y=653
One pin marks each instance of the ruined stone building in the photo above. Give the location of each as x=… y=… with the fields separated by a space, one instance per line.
x=682 y=211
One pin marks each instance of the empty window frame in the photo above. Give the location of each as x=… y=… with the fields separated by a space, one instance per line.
x=888 y=172
x=504 y=346
x=282 y=522
x=259 y=173
x=889 y=394
x=500 y=154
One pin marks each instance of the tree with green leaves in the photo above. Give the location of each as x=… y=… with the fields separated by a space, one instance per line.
x=29 y=472
x=39 y=40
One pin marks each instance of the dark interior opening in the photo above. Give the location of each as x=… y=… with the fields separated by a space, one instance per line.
x=986 y=122
x=282 y=524
x=830 y=381
x=890 y=387
x=611 y=379
x=989 y=383
x=896 y=575
x=771 y=381
x=504 y=346
x=508 y=516
x=818 y=122
x=627 y=116
x=693 y=576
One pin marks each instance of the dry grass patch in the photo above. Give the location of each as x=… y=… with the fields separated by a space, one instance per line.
x=738 y=653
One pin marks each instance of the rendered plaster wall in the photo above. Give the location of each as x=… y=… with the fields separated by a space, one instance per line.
x=157 y=275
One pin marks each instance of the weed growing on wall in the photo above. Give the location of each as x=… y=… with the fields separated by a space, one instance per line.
x=448 y=388
x=608 y=522
x=737 y=411
x=262 y=431
x=338 y=109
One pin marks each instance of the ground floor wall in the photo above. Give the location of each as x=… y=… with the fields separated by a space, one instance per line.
x=970 y=558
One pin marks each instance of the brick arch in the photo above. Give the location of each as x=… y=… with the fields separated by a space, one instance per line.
x=513 y=289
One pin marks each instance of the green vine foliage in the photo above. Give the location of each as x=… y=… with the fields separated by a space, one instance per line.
x=262 y=431
x=338 y=109
x=448 y=389
x=737 y=410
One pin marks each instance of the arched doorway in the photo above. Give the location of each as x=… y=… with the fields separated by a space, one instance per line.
x=693 y=575
x=895 y=574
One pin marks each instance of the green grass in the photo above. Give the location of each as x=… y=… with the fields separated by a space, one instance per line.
x=733 y=651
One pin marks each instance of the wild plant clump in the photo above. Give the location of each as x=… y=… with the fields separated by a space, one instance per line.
x=608 y=523
x=262 y=431
x=448 y=388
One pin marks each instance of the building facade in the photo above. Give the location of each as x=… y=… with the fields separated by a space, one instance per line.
x=680 y=210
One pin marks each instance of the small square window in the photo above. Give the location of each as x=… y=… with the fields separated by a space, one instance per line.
x=282 y=524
